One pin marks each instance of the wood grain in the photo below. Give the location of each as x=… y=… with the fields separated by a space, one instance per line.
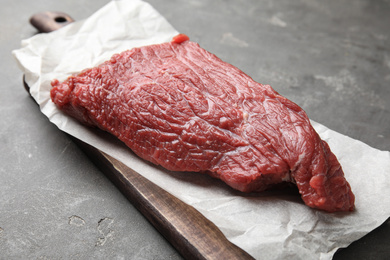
x=193 y=235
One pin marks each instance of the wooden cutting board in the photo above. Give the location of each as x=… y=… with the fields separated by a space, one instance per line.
x=193 y=235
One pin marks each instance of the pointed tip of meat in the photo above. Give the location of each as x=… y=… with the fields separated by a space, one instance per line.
x=325 y=187
x=338 y=195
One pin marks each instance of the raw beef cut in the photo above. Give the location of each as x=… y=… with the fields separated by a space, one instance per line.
x=179 y=106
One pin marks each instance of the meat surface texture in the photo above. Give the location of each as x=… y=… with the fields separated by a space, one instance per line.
x=181 y=107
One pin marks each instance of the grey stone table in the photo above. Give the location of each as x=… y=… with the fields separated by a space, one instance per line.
x=330 y=57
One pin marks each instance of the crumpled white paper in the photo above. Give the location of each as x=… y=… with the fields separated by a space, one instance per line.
x=270 y=225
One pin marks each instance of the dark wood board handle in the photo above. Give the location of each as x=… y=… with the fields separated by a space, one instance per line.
x=192 y=234
x=50 y=21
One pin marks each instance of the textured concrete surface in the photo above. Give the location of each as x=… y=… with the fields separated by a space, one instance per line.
x=330 y=57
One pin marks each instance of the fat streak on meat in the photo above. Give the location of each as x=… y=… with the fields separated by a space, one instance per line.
x=181 y=107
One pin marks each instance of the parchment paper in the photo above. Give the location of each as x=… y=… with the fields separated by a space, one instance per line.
x=270 y=225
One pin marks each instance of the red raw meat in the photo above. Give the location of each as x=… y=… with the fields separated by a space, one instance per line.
x=181 y=107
